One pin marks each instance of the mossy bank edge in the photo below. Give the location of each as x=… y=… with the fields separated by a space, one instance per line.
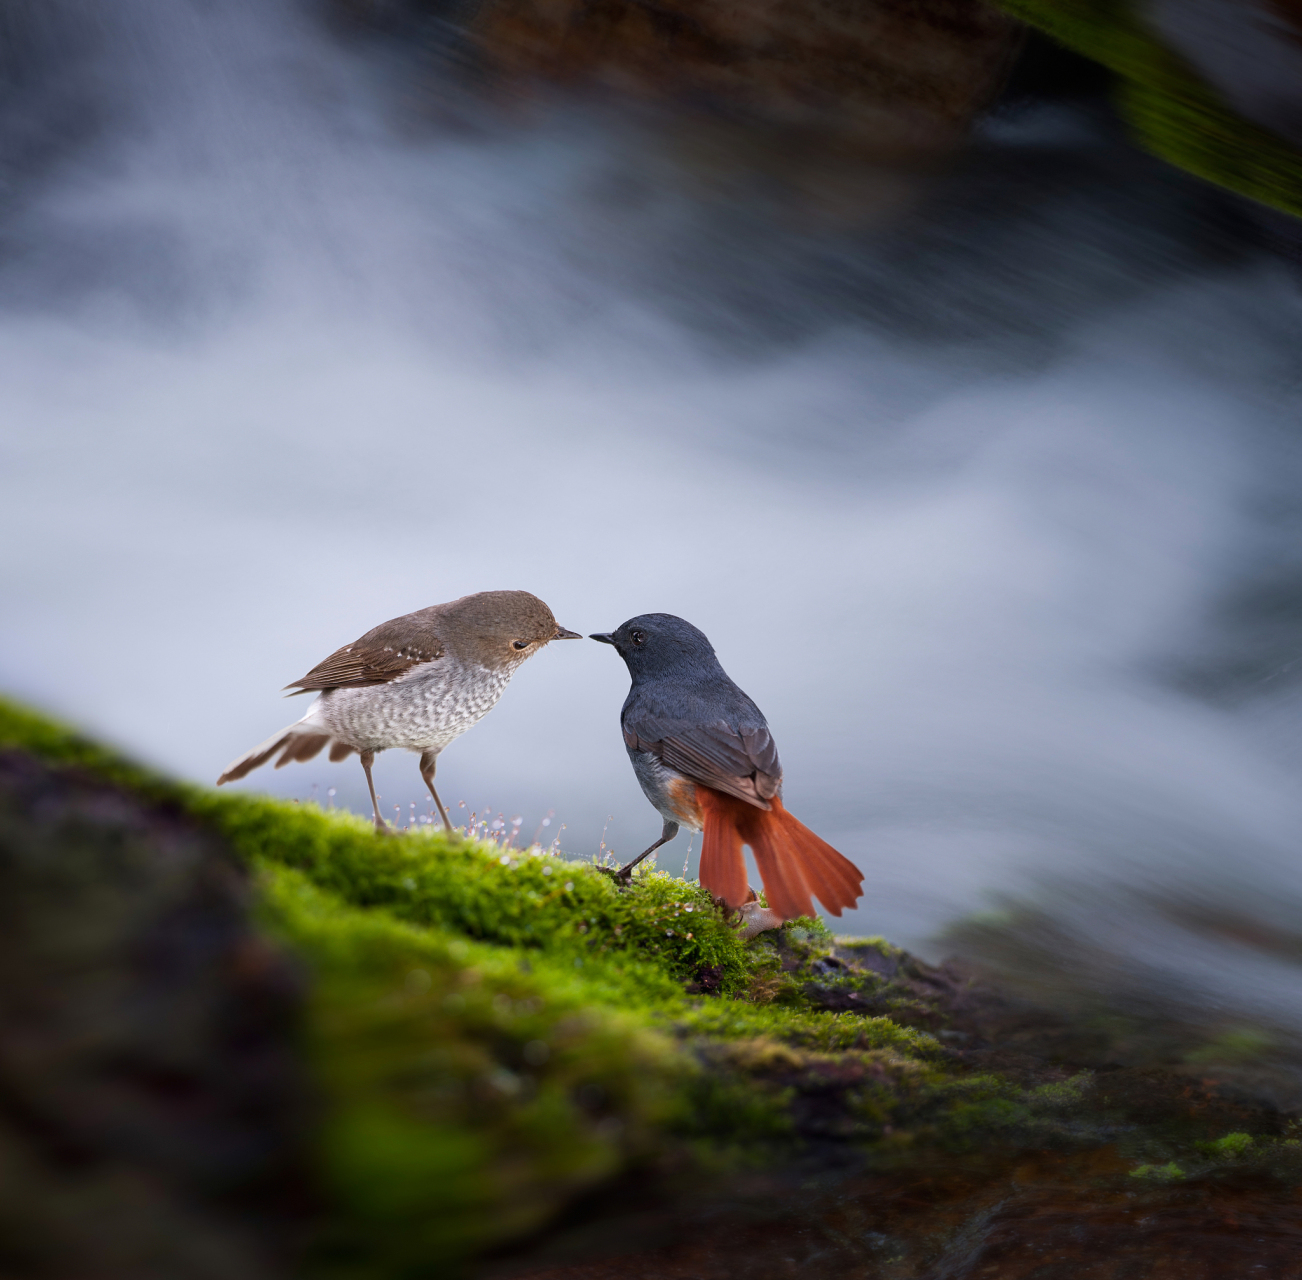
x=490 y=1036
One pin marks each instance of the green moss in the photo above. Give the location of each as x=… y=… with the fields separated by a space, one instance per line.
x=1239 y=1045
x=1173 y=111
x=28 y=730
x=1159 y=1173
x=470 y=1096
x=1231 y=1146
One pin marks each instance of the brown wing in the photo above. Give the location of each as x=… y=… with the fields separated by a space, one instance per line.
x=739 y=762
x=382 y=654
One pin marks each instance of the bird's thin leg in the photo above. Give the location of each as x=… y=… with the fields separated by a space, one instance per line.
x=368 y=759
x=669 y=832
x=427 y=763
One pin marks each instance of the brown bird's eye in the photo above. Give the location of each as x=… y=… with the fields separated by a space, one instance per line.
x=519 y=644
x=638 y=637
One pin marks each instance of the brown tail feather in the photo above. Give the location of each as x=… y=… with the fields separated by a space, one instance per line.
x=293 y=744
x=255 y=759
x=795 y=864
x=841 y=880
x=785 y=886
x=723 y=866
x=302 y=746
x=339 y=750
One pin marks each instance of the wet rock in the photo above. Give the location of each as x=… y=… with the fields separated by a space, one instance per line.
x=707 y=982
x=479 y=1111
x=893 y=78
x=150 y=1105
x=900 y=77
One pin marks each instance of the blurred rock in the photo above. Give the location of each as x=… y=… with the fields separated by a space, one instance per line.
x=899 y=77
x=150 y=1104
x=894 y=77
x=152 y=1116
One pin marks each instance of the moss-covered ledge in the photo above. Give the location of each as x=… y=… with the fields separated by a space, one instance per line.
x=1173 y=111
x=498 y=1046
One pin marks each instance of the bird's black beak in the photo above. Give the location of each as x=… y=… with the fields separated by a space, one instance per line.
x=604 y=636
x=562 y=634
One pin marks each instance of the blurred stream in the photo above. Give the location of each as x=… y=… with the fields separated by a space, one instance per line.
x=987 y=493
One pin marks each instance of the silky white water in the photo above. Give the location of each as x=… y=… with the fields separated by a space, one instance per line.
x=991 y=506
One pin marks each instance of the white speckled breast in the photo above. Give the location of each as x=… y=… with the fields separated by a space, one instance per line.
x=423 y=710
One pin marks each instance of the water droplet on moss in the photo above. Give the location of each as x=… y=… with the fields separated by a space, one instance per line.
x=504 y=1081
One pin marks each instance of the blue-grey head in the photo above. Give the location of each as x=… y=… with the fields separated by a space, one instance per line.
x=655 y=645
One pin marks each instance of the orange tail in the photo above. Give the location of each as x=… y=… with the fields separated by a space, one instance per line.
x=793 y=862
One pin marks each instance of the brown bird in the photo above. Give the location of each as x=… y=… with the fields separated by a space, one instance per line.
x=417 y=682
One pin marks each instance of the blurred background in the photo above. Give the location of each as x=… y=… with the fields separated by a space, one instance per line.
x=877 y=343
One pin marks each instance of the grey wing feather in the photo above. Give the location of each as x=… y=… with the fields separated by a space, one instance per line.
x=382 y=654
x=739 y=762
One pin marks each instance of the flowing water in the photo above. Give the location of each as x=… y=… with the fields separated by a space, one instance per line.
x=986 y=492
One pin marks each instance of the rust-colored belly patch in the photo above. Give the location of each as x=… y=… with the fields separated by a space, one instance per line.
x=682 y=800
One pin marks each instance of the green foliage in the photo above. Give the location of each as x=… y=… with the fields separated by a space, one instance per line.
x=1173 y=111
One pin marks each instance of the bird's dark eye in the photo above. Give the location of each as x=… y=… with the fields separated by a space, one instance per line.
x=519 y=644
x=637 y=637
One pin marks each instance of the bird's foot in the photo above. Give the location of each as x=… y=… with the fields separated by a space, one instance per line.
x=620 y=875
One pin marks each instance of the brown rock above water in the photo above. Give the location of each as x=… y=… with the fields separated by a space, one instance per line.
x=898 y=76
x=891 y=77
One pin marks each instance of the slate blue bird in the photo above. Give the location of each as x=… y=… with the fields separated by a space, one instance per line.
x=706 y=760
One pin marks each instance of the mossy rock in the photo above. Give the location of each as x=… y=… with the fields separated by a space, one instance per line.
x=439 y=1049
x=1172 y=110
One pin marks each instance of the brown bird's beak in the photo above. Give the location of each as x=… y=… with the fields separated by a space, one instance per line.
x=562 y=634
x=604 y=636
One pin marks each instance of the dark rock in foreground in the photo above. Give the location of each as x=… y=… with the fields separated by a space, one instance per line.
x=152 y=1104
x=496 y=1062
